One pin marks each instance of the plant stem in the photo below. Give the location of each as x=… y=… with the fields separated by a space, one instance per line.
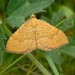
x=38 y=64
x=51 y=63
x=74 y=25
x=50 y=11
x=12 y=64
x=62 y=21
x=7 y=32
x=3 y=8
x=31 y=67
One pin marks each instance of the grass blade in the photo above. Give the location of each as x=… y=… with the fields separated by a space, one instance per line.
x=38 y=64
x=51 y=63
x=63 y=21
x=12 y=63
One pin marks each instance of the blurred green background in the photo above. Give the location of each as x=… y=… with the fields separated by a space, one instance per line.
x=59 y=13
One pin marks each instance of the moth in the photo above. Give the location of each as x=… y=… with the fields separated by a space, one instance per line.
x=35 y=33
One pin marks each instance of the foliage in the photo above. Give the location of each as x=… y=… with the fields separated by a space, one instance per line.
x=14 y=13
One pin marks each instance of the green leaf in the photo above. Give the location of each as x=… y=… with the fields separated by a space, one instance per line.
x=57 y=17
x=13 y=5
x=56 y=57
x=60 y=16
x=69 y=50
x=16 y=20
x=45 y=18
x=71 y=41
x=67 y=24
x=66 y=10
x=2 y=36
x=26 y=8
x=2 y=45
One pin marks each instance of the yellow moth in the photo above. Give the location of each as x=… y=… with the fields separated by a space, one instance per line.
x=35 y=33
